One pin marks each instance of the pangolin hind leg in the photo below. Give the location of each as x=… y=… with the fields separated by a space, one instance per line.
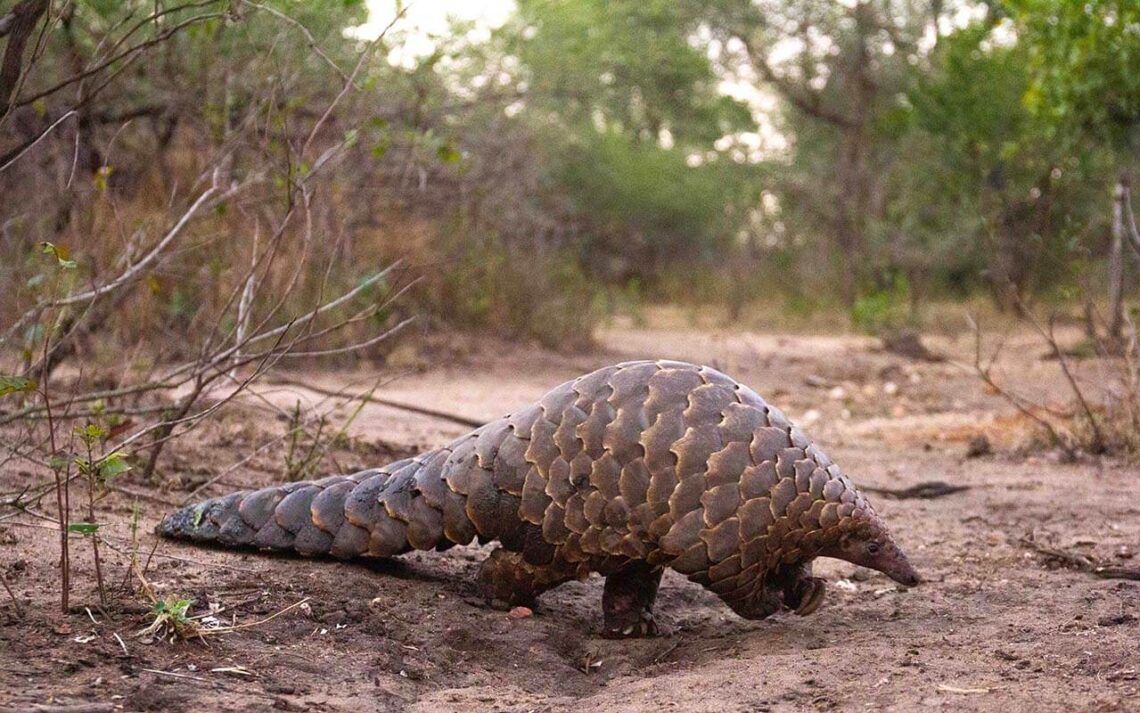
x=507 y=577
x=627 y=600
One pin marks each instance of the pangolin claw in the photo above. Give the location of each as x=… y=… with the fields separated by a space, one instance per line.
x=810 y=592
x=644 y=627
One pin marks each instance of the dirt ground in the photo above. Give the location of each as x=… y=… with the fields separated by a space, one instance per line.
x=994 y=628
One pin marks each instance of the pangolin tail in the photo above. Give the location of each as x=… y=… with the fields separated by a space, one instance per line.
x=378 y=513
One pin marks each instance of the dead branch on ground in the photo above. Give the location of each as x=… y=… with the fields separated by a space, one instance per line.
x=1078 y=561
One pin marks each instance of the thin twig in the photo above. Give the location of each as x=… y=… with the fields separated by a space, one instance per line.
x=15 y=602
x=1078 y=561
x=1017 y=402
x=32 y=144
x=423 y=410
x=259 y=622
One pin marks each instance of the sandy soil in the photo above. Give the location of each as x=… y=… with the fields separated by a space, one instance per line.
x=993 y=629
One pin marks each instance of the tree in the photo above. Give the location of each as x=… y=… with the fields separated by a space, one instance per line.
x=980 y=188
x=1082 y=58
x=836 y=66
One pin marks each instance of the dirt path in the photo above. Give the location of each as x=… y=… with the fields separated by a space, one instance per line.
x=992 y=630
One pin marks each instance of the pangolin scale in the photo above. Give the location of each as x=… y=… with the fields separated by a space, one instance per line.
x=624 y=471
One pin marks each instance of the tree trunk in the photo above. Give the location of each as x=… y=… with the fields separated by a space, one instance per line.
x=18 y=26
x=1116 y=265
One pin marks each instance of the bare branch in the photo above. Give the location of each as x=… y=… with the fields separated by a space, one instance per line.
x=350 y=81
x=358 y=345
x=132 y=50
x=18 y=153
x=313 y=45
x=806 y=100
x=133 y=271
x=1130 y=218
x=18 y=25
x=1022 y=405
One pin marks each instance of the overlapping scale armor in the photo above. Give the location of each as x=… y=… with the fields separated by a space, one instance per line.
x=660 y=462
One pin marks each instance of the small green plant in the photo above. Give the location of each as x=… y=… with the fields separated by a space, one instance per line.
x=98 y=472
x=305 y=450
x=38 y=339
x=172 y=620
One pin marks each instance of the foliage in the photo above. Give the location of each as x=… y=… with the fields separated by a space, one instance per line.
x=1081 y=57
x=956 y=144
x=628 y=67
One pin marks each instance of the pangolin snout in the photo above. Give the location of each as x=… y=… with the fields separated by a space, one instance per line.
x=893 y=563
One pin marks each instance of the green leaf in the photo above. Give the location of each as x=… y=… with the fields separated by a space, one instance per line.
x=83 y=528
x=91 y=433
x=16 y=384
x=61 y=253
x=102 y=177
x=448 y=154
x=175 y=608
x=112 y=465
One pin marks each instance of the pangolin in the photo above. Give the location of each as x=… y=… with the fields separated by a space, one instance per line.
x=624 y=471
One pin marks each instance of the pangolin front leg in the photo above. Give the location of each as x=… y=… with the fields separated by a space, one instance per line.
x=802 y=592
x=627 y=601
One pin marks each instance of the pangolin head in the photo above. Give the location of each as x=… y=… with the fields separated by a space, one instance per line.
x=846 y=527
x=865 y=541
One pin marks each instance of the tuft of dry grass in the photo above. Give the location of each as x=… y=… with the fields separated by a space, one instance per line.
x=1102 y=418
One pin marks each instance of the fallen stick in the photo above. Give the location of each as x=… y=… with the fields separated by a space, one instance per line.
x=64 y=708
x=422 y=410
x=925 y=491
x=1080 y=562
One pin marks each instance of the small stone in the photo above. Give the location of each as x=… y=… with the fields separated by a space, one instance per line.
x=890 y=388
x=846 y=585
x=810 y=416
x=979 y=446
x=520 y=613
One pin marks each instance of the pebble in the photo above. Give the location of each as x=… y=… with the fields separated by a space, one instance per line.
x=979 y=446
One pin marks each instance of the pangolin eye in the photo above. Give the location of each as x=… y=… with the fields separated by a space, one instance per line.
x=872 y=548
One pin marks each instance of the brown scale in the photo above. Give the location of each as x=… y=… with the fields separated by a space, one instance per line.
x=624 y=471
